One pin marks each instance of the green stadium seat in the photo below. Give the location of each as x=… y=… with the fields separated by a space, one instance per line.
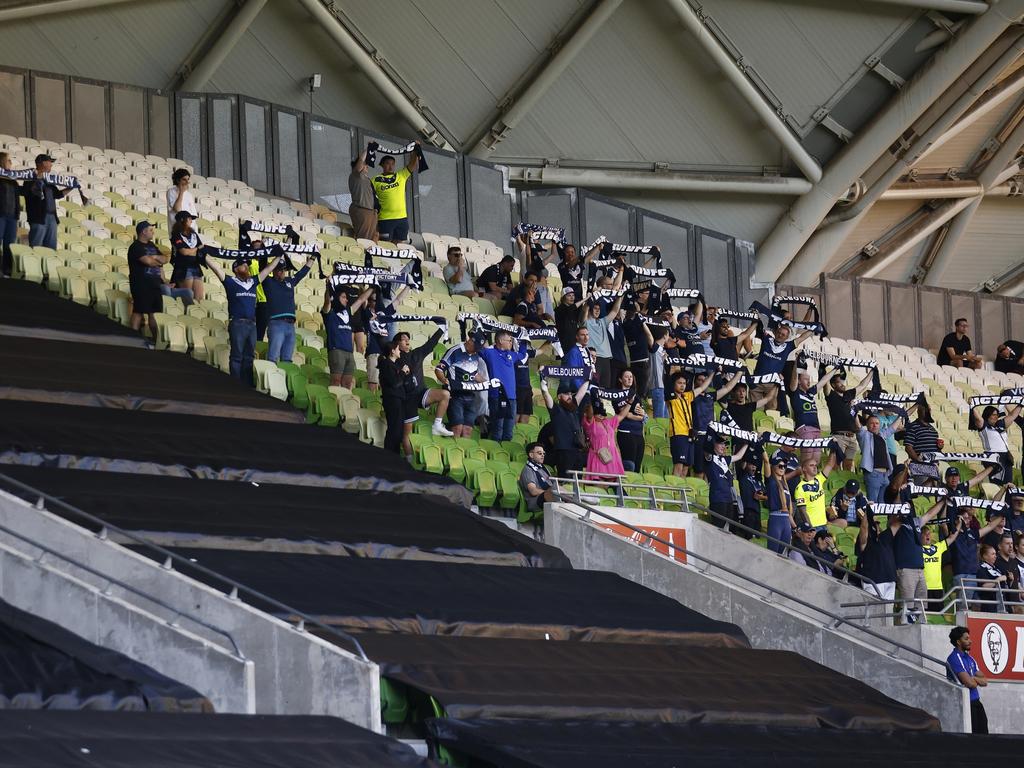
x=453 y=460
x=487 y=487
x=511 y=494
x=432 y=458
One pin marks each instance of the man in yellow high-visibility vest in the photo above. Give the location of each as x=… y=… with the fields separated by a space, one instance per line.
x=389 y=186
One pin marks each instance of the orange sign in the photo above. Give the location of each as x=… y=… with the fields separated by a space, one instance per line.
x=998 y=646
x=675 y=536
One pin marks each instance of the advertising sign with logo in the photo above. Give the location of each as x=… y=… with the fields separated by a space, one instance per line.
x=998 y=646
x=675 y=536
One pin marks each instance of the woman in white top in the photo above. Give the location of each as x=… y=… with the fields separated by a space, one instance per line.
x=179 y=197
x=991 y=425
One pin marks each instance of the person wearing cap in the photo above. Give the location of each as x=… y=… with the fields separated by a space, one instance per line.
x=848 y=500
x=932 y=549
x=718 y=471
x=145 y=277
x=876 y=556
x=962 y=668
x=991 y=425
x=838 y=399
x=565 y=425
x=240 y=287
x=461 y=365
x=389 y=185
x=803 y=536
x=1010 y=357
x=279 y=289
x=906 y=544
x=185 y=247
x=179 y=197
x=456 y=274
x=41 y=198
x=363 y=209
x=10 y=210
x=337 y=312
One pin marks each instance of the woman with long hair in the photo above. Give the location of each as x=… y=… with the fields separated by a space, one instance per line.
x=393 y=395
x=781 y=522
x=185 y=247
x=603 y=459
x=630 y=434
x=991 y=426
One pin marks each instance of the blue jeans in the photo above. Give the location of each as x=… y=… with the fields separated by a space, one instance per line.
x=658 y=401
x=44 y=234
x=778 y=528
x=281 y=335
x=875 y=484
x=9 y=234
x=501 y=426
x=242 y=334
x=185 y=294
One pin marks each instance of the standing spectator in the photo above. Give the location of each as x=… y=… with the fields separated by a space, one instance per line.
x=185 y=247
x=989 y=582
x=839 y=398
x=377 y=318
x=932 y=551
x=570 y=268
x=718 y=468
x=631 y=429
x=656 y=383
x=10 y=210
x=617 y=342
x=598 y=328
x=337 y=313
x=145 y=264
x=280 y=292
x=524 y=305
x=810 y=492
x=964 y=550
x=906 y=538
x=1009 y=356
x=392 y=375
x=604 y=462
x=393 y=219
x=363 y=210
x=752 y=497
x=781 y=522
x=875 y=464
x=1006 y=564
x=179 y=197
x=535 y=480
x=565 y=426
x=567 y=319
x=456 y=274
x=991 y=425
x=637 y=338
x=725 y=343
x=680 y=422
x=462 y=365
x=495 y=282
x=891 y=424
x=803 y=401
x=524 y=387
x=956 y=350
x=241 y=290
x=741 y=411
x=921 y=437
x=41 y=205
x=962 y=668
x=776 y=348
x=876 y=558
x=501 y=405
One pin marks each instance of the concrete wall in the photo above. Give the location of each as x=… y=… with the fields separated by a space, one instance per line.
x=768 y=623
x=227 y=680
x=296 y=673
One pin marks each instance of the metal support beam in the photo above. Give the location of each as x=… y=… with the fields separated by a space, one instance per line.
x=406 y=108
x=34 y=10
x=662 y=180
x=906 y=106
x=734 y=73
x=947 y=6
x=545 y=77
x=215 y=55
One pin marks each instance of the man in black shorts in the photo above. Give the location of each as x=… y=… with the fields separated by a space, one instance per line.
x=418 y=396
x=145 y=276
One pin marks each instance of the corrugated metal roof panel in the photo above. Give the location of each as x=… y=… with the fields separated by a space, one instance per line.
x=881 y=217
x=993 y=242
x=962 y=148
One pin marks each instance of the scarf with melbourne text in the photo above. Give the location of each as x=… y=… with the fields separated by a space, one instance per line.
x=735 y=314
x=538 y=232
x=807 y=301
x=563 y=372
x=836 y=361
x=414 y=267
x=411 y=148
x=776 y=319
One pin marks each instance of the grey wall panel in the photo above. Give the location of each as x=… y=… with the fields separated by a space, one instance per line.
x=601 y=218
x=287 y=142
x=902 y=315
x=51 y=117
x=89 y=114
x=993 y=331
x=871 y=309
x=714 y=268
x=491 y=209
x=439 y=195
x=839 y=307
x=161 y=139
x=223 y=138
x=191 y=140
x=128 y=124
x=330 y=148
x=935 y=320
x=962 y=305
x=552 y=208
x=13 y=116
x=674 y=240
x=257 y=164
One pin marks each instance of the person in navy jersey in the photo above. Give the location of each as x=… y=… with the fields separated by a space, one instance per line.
x=241 y=290
x=501 y=406
x=630 y=432
x=337 y=312
x=280 y=293
x=962 y=668
x=461 y=365
x=803 y=402
x=403 y=393
x=718 y=470
x=565 y=425
x=185 y=247
x=636 y=336
x=752 y=497
x=576 y=356
x=524 y=388
x=776 y=347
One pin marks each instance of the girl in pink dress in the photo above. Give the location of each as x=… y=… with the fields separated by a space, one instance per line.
x=603 y=460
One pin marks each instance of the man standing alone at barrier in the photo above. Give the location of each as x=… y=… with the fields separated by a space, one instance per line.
x=393 y=219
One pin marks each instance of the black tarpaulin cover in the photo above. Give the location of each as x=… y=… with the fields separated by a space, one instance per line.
x=44 y=666
x=497 y=678
x=135 y=379
x=459 y=599
x=29 y=310
x=144 y=740
x=230 y=515
x=210 y=447
x=571 y=744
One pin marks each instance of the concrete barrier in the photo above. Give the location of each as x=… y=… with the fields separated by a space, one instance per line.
x=296 y=673
x=216 y=672
x=767 y=621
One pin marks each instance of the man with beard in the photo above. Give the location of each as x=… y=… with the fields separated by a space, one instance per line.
x=565 y=425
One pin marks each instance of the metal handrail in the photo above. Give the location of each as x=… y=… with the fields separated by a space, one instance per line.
x=947 y=604
x=45 y=550
x=730 y=523
x=172 y=557
x=836 y=619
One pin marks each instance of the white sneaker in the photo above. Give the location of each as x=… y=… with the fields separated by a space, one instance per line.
x=440 y=429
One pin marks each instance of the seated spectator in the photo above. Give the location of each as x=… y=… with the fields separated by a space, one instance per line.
x=180 y=198
x=1010 y=357
x=876 y=556
x=781 y=522
x=524 y=305
x=495 y=282
x=10 y=210
x=456 y=274
x=803 y=536
x=280 y=293
x=41 y=205
x=824 y=548
x=337 y=313
x=988 y=595
x=847 y=501
x=145 y=276
x=461 y=364
x=838 y=399
x=875 y=464
x=185 y=247
x=752 y=497
x=604 y=462
x=566 y=430
x=535 y=480
x=991 y=426
x=956 y=350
